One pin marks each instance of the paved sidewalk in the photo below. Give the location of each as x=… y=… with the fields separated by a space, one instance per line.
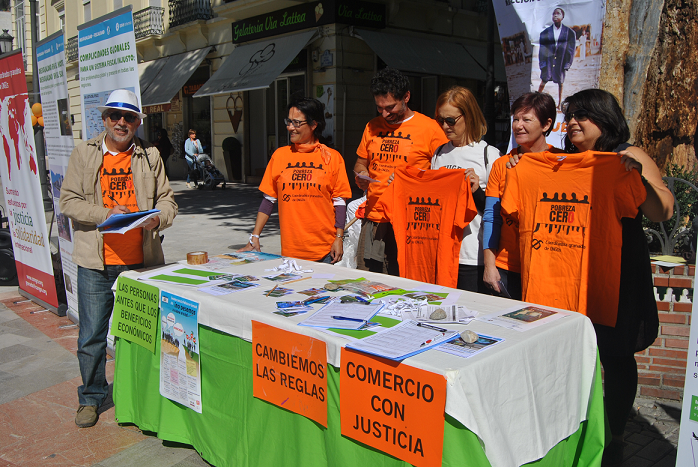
x=39 y=371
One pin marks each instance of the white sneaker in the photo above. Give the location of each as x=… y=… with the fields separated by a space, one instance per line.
x=188 y=185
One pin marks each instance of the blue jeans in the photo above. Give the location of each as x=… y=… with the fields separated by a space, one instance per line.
x=95 y=304
x=190 y=163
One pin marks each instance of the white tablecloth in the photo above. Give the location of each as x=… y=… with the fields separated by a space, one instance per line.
x=521 y=397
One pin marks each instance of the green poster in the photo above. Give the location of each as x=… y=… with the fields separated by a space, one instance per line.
x=136 y=311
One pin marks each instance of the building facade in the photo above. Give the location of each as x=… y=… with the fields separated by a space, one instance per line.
x=229 y=68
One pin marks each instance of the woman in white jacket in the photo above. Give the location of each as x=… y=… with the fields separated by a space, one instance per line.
x=464 y=124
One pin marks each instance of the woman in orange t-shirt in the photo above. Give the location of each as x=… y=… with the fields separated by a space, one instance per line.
x=309 y=181
x=534 y=117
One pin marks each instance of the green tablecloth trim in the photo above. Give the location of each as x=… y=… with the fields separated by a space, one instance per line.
x=236 y=429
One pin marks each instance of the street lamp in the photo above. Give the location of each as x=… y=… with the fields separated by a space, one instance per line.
x=5 y=41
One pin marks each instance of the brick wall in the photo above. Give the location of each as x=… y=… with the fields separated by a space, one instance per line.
x=662 y=367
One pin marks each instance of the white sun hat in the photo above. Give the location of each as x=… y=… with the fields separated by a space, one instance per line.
x=122 y=99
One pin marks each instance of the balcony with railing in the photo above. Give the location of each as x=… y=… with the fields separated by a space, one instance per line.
x=71 y=49
x=149 y=22
x=186 y=11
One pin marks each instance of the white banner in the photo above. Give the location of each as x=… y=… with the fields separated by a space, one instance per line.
x=58 y=134
x=552 y=46
x=107 y=60
x=21 y=184
x=687 y=454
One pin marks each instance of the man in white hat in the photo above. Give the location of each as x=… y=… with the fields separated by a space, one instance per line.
x=113 y=173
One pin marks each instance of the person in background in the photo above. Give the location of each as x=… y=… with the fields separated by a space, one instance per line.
x=164 y=147
x=464 y=125
x=534 y=117
x=192 y=149
x=399 y=137
x=309 y=182
x=556 y=52
x=131 y=177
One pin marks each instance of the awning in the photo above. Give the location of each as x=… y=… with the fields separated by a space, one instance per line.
x=432 y=57
x=161 y=79
x=255 y=65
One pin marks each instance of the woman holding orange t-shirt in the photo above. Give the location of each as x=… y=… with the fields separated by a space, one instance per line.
x=534 y=117
x=310 y=182
x=595 y=122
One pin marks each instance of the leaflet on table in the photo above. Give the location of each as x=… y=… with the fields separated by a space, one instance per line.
x=363 y=286
x=378 y=323
x=180 y=371
x=433 y=298
x=226 y=288
x=180 y=275
x=227 y=260
x=456 y=314
x=404 y=340
x=283 y=277
x=277 y=292
x=523 y=318
x=122 y=223
x=463 y=349
x=342 y=315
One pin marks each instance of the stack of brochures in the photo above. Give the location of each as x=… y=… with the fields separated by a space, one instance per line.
x=353 y=315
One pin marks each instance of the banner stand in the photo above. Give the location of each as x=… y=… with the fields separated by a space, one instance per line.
x=60 y=310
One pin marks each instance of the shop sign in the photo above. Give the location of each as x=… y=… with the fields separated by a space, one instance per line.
x=136 y=312
x=155 y=109
x=309 y=15
x=190 y=89
x=176 y=104
x=395 y=408
x=289 y=370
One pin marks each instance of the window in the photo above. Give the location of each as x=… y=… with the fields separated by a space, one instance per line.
x=61 y=20
x=20 y=29
x=86 y=11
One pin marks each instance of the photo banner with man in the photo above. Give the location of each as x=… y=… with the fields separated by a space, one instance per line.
x=22 y=186
x=551 y=46
x=107 y=61
x=58 y=134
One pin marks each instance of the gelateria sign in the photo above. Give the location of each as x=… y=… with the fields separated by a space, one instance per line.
x=309 y=15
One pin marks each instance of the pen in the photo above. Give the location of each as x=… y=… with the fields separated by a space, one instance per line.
x=428 y=326
x=272 y=289
x=113 y=199
x=344 y=318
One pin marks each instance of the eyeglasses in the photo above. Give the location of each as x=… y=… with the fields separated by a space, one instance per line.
x=450 y=121
x=128 y=116
x=580 y=115
x=295 y=123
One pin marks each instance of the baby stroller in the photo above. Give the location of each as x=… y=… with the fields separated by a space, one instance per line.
x=206 y=174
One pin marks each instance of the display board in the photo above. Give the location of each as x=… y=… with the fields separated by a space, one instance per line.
x=58 y=134
x=107 y=61
x=22 y=186
x=553 y=46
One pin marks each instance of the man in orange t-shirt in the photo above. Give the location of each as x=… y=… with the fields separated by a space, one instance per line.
x=113 y=173
x=569 y=208
x=396 y=139
x=428 y=210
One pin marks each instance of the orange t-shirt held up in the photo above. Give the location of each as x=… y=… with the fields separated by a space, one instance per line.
x=305 y=185
x=429 y=210
x=569 y=208
x=389 y=148
x=116 y=180
x=508 y=253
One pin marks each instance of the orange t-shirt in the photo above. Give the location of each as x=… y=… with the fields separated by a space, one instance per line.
x=117 y=180
x=304 y=186
x=508 y=253
x=429 y=210
x=388 y=148
x=569 y=208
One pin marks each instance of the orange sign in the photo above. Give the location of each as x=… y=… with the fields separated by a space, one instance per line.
x=392 y=407
x=290 y=370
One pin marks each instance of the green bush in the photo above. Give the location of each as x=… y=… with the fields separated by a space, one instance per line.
x=687 y=199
